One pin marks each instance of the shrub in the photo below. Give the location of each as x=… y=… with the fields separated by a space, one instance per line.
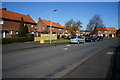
x=58 y=36
x=63 y=36
x=17 y=38
x=15 y=35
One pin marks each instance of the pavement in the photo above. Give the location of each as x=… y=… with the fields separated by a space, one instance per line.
x=114 y=70
x=6 y=48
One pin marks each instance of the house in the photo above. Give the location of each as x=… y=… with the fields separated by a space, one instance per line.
x=84 y=32
x=106 y=31
x=10 y=22
x=73 y=30
x=43 y=26
x=118 y=33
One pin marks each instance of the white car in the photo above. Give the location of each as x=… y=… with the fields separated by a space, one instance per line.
x=77 y=39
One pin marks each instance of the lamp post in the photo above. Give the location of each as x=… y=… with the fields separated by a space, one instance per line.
x=51 y=26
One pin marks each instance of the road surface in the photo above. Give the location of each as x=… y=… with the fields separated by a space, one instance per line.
x=55 y=61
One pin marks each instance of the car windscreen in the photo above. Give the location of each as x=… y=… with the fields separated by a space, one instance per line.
x=79 y=37
x=73 y=37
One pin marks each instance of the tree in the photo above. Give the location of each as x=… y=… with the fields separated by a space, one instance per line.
x=96 y=21
x=73 y=26
x=23 y=30
x=26 y=29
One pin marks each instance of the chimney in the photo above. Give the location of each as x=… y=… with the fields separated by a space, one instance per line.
x=4 y=9
x=28 y=15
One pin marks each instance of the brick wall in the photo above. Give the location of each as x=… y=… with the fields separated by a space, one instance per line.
x=14 y=27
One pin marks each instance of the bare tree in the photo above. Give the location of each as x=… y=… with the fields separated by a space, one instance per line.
x=96 y=21
x=73 y=26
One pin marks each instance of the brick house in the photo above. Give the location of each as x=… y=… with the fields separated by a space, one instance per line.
x=10 y=22
x=106 y=31
x=118 y=33
x=43 y=26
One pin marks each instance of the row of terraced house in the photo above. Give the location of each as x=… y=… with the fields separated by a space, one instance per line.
x=10 y=23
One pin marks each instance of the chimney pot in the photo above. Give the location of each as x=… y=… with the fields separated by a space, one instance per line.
x=4 y=9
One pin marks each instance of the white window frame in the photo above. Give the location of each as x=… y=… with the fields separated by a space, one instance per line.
x=24 y=24
x=1 y=21
x=16 y=32
x=59 y=29
x=31 y=25
x=10 y=32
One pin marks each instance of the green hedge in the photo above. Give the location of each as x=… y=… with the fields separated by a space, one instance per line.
x=14 y=38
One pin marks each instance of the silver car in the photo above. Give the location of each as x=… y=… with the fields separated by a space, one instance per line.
x=77 y=39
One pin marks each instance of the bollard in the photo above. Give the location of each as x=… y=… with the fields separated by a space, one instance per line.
x=42 y=41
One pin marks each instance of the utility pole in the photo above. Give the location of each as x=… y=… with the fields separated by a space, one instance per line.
x=51 y=26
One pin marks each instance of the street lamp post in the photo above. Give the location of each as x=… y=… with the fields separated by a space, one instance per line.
x=51 y=26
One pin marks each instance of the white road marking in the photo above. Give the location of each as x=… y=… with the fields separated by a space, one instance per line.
x=68 y=45
x=65 y=48
x=109 y=53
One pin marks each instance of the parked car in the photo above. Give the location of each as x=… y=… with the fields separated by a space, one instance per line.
x=98 y=38
x=90 y=38
x=77 y=39
x=87 y=39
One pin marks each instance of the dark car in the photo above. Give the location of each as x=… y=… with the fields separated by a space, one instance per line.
x=90 y=38
x=98 y=38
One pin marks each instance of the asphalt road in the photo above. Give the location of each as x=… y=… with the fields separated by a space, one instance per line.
x=55 y=61
x=97 y=66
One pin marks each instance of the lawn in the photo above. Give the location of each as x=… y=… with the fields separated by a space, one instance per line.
x=58 y=41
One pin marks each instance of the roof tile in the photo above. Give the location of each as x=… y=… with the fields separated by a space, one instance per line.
x=15 y=16
x=106 y=28
x=53 y=24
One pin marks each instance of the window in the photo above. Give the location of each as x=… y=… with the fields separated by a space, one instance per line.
x=59 y=29
x=16 y=32
x=10 y=32
x=1 y=21
x=105 y=31
x=24 y=24
x=31 y=25
x=52 y=27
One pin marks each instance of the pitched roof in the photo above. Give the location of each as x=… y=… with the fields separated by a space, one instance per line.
x=106 y=28
x=53 y=24
x=15 y=16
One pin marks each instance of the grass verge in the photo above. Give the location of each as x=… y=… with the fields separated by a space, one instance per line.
x=58 y=41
